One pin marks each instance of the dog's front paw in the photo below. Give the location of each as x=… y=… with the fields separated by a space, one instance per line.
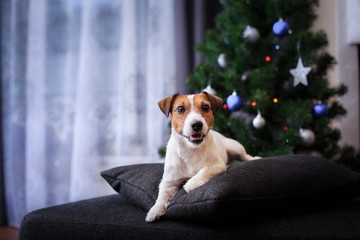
x=155 y=213
x=192 y=184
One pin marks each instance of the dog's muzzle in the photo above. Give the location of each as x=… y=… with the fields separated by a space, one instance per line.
x=197 y=136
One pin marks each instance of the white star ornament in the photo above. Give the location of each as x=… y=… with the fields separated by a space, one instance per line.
x=299 y=73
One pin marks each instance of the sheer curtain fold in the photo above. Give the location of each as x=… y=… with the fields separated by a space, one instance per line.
x=35 y=133
x=80 y=82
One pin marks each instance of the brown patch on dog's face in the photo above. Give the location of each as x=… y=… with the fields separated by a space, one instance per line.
x=166 y=104
x=216 y=102
x=202 y=105
x=181 y=108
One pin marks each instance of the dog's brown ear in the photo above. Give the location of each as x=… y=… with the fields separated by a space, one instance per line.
x=216 y=102
x=167 y=103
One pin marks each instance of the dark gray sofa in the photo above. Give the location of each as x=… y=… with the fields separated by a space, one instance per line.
x=112 y=217
x=282 y=215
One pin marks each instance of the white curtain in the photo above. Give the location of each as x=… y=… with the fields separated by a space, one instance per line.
x=80 y=85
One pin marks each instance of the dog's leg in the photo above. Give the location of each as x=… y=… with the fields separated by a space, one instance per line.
x=167 y=190
x=203 y=176
x=235 y=150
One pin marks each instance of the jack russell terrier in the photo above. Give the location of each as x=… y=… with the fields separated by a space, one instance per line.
x=194 y=151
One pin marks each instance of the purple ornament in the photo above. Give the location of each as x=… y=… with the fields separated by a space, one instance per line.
x=234 y=102
x=320 y=110
x=280 y=28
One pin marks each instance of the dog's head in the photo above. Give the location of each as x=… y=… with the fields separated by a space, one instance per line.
x=192 y=115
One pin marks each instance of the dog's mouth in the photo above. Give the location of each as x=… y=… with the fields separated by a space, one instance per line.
x=196 y=138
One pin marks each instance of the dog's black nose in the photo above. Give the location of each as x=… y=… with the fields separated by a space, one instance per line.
x=196 y=125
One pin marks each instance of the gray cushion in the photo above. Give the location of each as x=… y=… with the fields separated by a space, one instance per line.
x=272 y=184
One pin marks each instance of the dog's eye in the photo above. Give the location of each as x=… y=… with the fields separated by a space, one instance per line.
x=205 y=107
x=180 y=109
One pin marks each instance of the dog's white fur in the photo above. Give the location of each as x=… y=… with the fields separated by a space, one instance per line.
x=197 y=162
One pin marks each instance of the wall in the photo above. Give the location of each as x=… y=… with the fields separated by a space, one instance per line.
x=333 y=18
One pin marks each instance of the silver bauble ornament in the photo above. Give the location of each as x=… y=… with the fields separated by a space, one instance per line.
x=222 y=60
x=307 y=137
x=245 y=76
x=209 y=90
x=258 y=122
x=251 y=34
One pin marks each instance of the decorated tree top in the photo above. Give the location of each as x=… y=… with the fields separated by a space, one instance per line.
x=264 y=59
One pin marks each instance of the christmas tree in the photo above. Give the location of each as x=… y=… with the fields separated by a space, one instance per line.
x=270 y=67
